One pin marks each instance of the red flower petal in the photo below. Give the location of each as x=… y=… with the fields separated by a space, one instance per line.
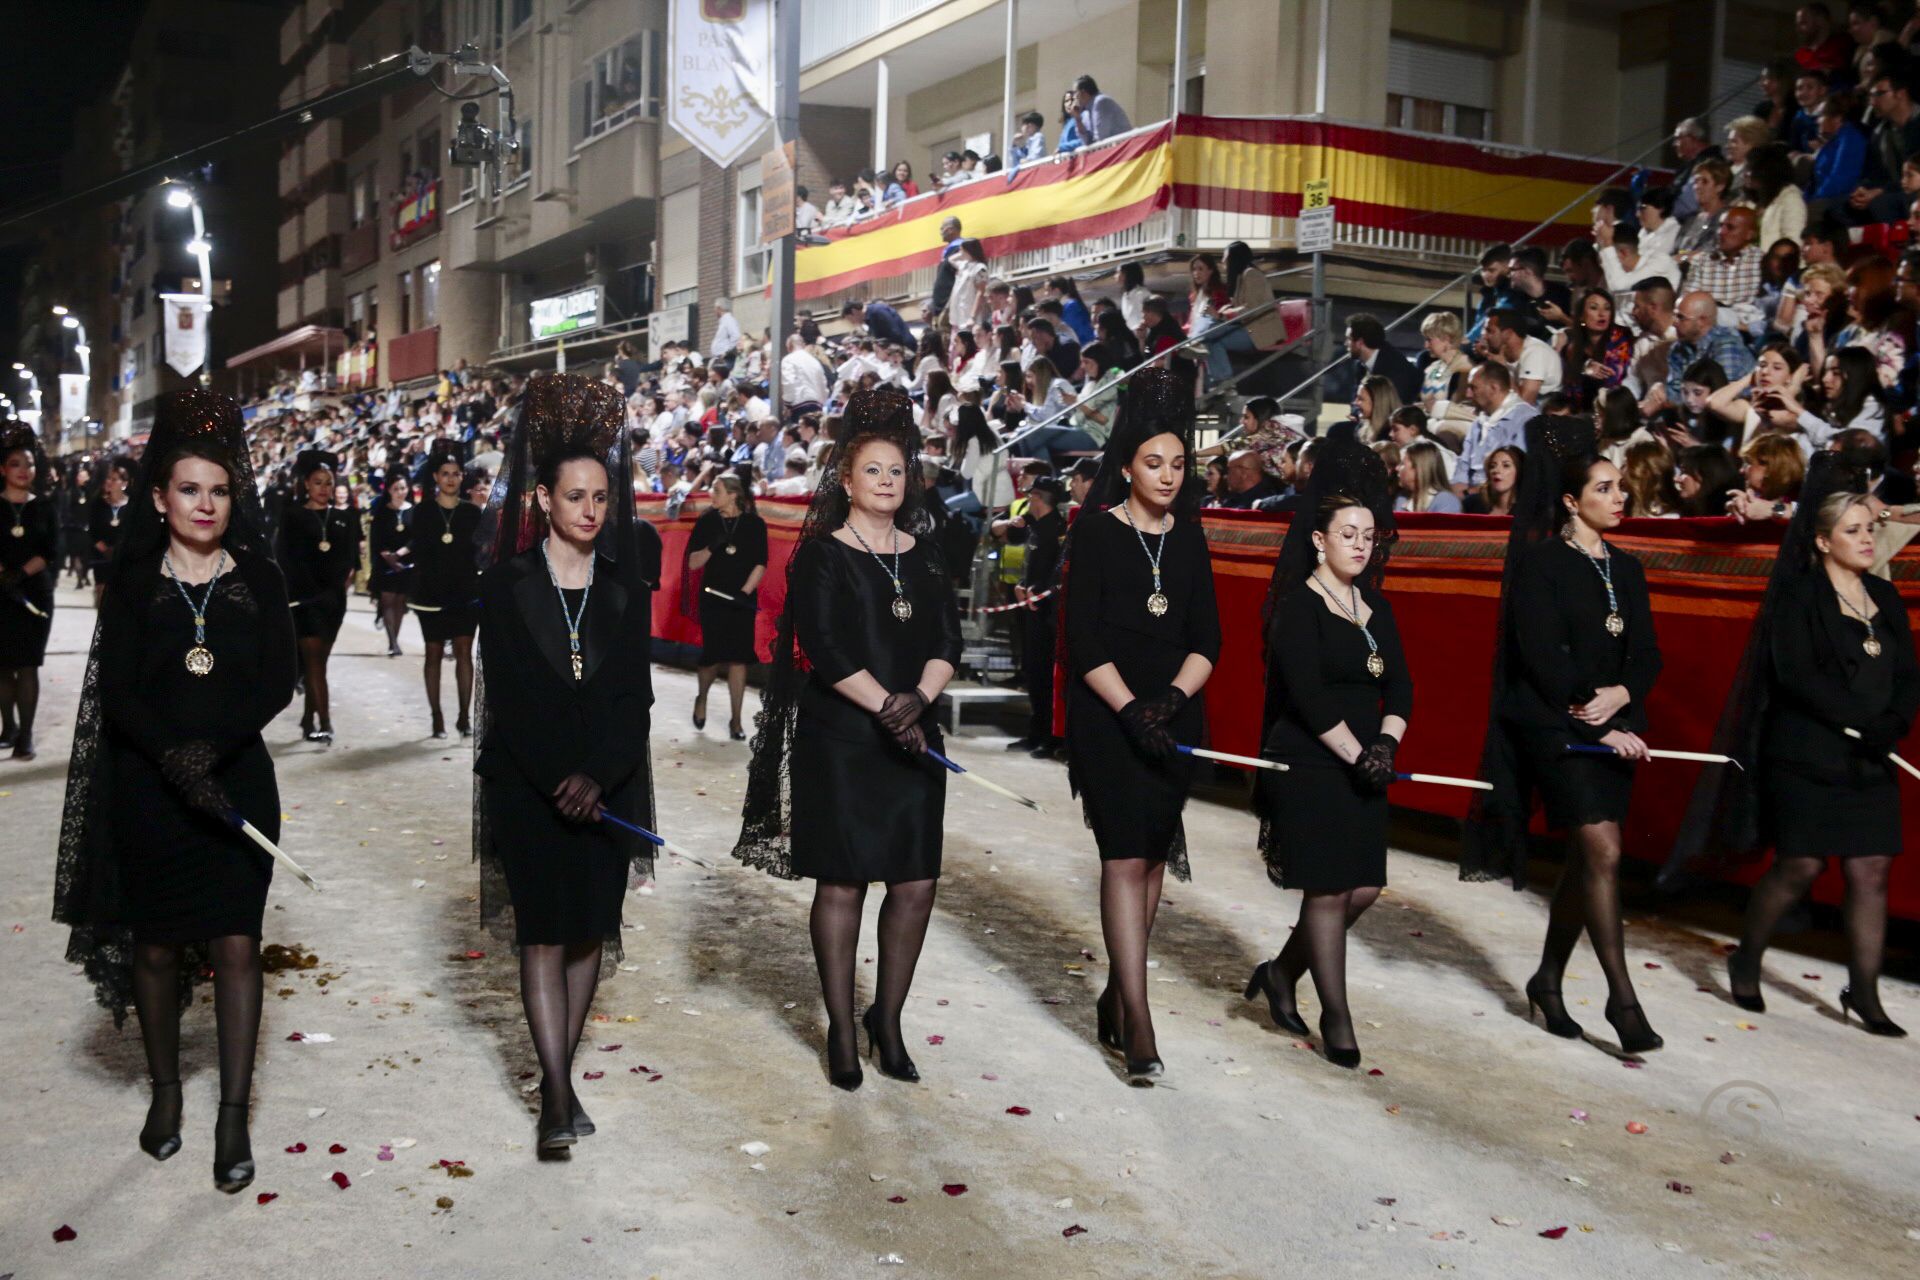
x=1018 y=1111
x=1680 y=1187
x=1553 y=1233
x=266 y=1197
x=1652 y=965
x=655 y=1076
x=955 y=1188
x=451 y=1164
x=1416 y=933
x=336 y=1150
x=610 y=1048
x=476 y=955
x=1075 y=1230
x=298 y=1148
x=340 y=1180
x=297 y=1036
x=63 y=1233
x=1375 y=1071
x=896 y=1199
x=592 y=1075
x=936 y=1039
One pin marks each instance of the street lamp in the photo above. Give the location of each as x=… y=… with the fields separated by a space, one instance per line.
x=81 y=348
x=181 y=196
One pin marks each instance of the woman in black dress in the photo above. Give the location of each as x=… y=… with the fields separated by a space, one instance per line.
x=71 y=497
x=446 y=591
x=1142 y=633
x=1830 y=656
x=727 y=550
x=1338 y=698
x=29 y=559
x=390 y=575
x=1577 y=661
x=567 y=680
x=319 y=551
x=106 y=516
x=192 y=657
x=840 y=789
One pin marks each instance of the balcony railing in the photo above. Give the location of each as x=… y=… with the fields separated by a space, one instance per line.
x=1202 y=182
x=414 y=355
x=833 y=25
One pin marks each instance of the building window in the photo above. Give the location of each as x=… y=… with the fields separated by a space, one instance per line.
x=519 y=167
x=751 y=257
x=519 y=14
x=429 y=152
x=623 y=83
x=406 y=302
x=1437 y=89
x=364 y=198
x=427 y=289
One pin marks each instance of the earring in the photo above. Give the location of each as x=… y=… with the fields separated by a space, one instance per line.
x=1125 y=478
x=1319 y=557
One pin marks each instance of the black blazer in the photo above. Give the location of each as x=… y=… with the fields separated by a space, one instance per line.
x=1560 y=650
x=1388 y=363
x=1823 y=680
x=542 y=724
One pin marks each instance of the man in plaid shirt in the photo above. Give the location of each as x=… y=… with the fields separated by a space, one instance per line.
x=1697 y=337
x=1732 y=272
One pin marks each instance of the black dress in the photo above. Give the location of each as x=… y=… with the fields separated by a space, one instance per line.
x=1133 y=804
x=1324 y=833
x=389 y=531
x=103 y=525
x=1041 y=573
x=1824 y=794
x=446 y=585
x=864 y=810
x=23 y=632
x=317 y=576
x=739 y=547
x=186 y=875
x=566 y=879
x=1563 y=653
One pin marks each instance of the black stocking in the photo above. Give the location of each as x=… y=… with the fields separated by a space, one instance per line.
x=835 y=927
x=430 y=672
x=1324 y=919
x=583 y=978
x=236 y=1010
x=393 y=612
x=543 y=994
x=1127 y=886
x=1295 y=957
x=1774 y=894
x=156 y=998
x=313 y=652
x=463 y=674
x=903 y=928
x=26 y=698
x=8 y=691
x=1866 y=913
x=737 y=693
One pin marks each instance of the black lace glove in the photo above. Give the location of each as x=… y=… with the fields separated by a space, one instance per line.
x=1881 y=734
x=578 y=798
x=1145 y=721
x=1374 y=766
x=188 y=769
x=901 y=710
x=912 y=740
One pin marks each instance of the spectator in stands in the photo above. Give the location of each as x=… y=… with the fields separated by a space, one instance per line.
x=1803 y=311
x=1162 y=330
x=1367 y=344
x=1842 y=156
x=1769 y=184
x=726 y=335
x=1070 y=139
x=803 y=378
x=1247 y=290
x=1374 y=404
x=967 y=301
x=1659 y=229
x=1063 y=354
x=1803 y=130
x=1652 y=316
x=1443 y=383
x=1066 y=292
x=903 y=178
x=1776 y=107
x=1647 y=476
x=952 y=252
x=1896 y=138
x=1580 y=263
x=1626 y=267
x=1410 y=423
x=1540 y=302
x=1704 y=476
x=1207 y=296
x=880 y=320
x=1098 y=116
x=1112 y=332
x=1771 y=468
x=1501 y=422
x=1133 y=296
x=1536 y=366
x=1764 y=400
x=1744 y=133
x=1821 y=47
x=1503 y=480
x=841 y=208
x=1867 y=24
x=1493 y=288
x=1731 y=273
x=1846 y=397
x=1247 y=481
x=1877 y=322
x=1699 y=336
x=1711 y=180
x=1594 y=351
x=806 y=214
x=1691 y=145
x=1421 y=478
x=1029 y=144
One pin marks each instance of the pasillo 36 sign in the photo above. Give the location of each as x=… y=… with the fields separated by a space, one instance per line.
x=565 y=313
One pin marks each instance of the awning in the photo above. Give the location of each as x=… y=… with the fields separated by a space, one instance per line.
x=308 y=340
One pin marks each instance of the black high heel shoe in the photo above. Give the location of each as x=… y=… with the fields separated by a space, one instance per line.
x=162 y=1146
x=1107 y=1028
x=1553 y=1010
x=735 y=732
x=1880 y=1026
x=700 y=712
x=900 y=1069
x=232 y=1160
x=464 y=727
x=552 y=1139
x=851 y=1078
x=1143 y=1072
x=439 y=725
x=1741 y=974
x=1348 y=1058
x=1630 y=1024
x=1285 y=1019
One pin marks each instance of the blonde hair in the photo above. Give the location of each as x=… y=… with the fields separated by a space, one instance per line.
x=1648 y=479
x=1383 y=401
x=1830 y=272
x=1781 y=457
x=1429 y=473
x=1751 y=130
x=1444 y=325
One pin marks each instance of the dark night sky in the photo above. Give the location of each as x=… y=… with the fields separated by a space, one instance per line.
x=55 y=55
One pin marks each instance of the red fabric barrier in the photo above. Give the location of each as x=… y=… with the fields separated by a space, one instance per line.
x=1707 y=577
